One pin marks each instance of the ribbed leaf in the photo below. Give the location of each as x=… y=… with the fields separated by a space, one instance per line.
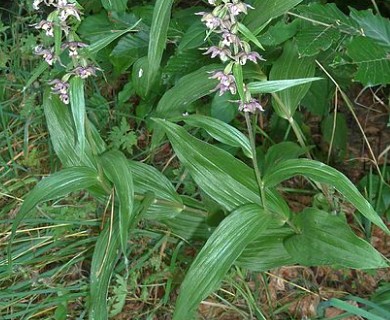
x=373 y=26
x=60 y=124
x=221 y=131
x=105 y=40
x=149 y=179
x=266 y=10
x=104 y=259
x=187 y=90
x=57 y=185
x=217 y=256
x=77 y=103
x=372 y=61
x=115 y=166
x=224 y=178
x=158 y=38
x=328 y=240
x=322 y=173
x=277 y=85
x=115 y=5
x=267 y=251
x=291 y=66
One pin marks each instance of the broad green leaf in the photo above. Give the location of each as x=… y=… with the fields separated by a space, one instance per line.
x=281 y=152
x=188 y=89
x=290 y=66
x=264 y=10
x=322 y=173
x=371 y=59
x=106 y=39
x=57 y=185
x=185 y=62
x=60 y=124
x=373 y=26
x=279 y=33
x=158 y=38
x=223 y=107
x=329 y=15
x=116 y=167
x=335 y=132
x=128 y=50
x=77 y=103
x=312 y=39
x=267 y=251
x=193 y=37
x=115 y=5
x=217 y=256
x=104 y=259
x=326 y=239
x=224 y=178
x=149 y=179
x=221 y=131
x=277 y=85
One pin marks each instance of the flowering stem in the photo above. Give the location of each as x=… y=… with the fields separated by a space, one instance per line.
x=254 y=159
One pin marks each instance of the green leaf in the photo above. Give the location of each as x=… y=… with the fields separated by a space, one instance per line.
x=60 y=124
x=322 y=173
x=291 y=66
x=277 y=85
x=105 y=40
x=158 y=38
x=267 y=251
x=115 y=166
x=221 y=131
x=77 y=103
x=104 y=259
x=373 y=26
x=312 y=39
x=35 y=74
x=326 y=239
x=249 y=35
x=57 y=185
x=193 y=37
x=352 y=310
x=224 y=178
x=281 y=152
x=217 y=256
x=223 y=107
x=266 y=10
x=115 y=5
x=329 y=15
x=188 y=89
x=239 y=80
x=371 y=59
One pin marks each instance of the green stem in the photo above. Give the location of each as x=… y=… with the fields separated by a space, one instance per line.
x=254 y=159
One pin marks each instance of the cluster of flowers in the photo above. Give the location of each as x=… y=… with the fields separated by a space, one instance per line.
x=223 y=20
x=63 y=10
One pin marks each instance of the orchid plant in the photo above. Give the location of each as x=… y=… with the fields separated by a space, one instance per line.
x=256 y=230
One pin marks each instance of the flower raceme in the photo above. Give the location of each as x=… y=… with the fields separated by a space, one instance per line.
x=79 y=66
x=223 y=20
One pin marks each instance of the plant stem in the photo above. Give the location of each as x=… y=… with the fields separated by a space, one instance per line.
x=254 y=159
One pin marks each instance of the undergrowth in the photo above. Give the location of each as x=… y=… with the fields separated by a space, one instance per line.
x=143 y=179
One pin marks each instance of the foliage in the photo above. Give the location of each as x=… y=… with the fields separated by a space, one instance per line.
x=145 y=60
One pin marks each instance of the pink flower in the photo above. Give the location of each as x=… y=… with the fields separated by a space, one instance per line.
x=250 y=106
x=226 y=82
x=223 y=53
